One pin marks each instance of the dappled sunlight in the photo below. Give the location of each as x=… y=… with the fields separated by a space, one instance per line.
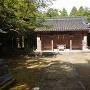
x=82 y=64
x=21 y=87
x=82 y=59
x=79 y=60
x=26 y=70
x=33 y=66
x=31 y=61
x=29 y=71
x=34 y=62
x=65 y=66
x=40 y=63
x=38 y=66
x=68 y=69
x=19 y=67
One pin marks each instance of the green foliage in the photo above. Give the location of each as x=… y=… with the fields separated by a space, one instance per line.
x=19 y=18
x=87 y=13
x=43 y=3
x=64 y=12
x=18 y=15
x=52 y=13
x=74 y=12
x=81 y=11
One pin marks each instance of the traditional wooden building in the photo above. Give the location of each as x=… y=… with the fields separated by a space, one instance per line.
x=64 y=33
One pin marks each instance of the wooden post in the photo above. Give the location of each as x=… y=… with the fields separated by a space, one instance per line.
x=22 y=41
x=12 y=44
x=52 y=44
x=70 y=44
x=84 y=43
x=38 y=43
x=18 y=42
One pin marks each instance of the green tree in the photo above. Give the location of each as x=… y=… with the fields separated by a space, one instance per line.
x=81 y=11
x=52 y=12
x=64 y=12
x=17 y=15
x=73 y=12
x=87 y=13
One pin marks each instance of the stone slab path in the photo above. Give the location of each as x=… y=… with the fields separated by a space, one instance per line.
x=61 y=74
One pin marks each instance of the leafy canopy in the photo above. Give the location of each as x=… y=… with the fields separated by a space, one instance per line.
x=18 y=15
x=52 y=13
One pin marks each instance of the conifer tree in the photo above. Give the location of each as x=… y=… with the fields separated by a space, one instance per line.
x=64 y=12
x=73 y=12
x=81 y=11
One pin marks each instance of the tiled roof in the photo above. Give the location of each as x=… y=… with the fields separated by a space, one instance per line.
x=65 y=24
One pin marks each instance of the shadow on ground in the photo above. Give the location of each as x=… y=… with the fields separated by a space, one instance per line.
x=60 y=72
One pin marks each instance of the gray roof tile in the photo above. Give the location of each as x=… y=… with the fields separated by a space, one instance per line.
x=65 y=24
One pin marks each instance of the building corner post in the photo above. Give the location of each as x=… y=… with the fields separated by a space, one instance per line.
x=38 y=43
x=84 y=42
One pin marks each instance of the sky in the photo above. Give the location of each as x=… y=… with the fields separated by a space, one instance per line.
x=68 y=4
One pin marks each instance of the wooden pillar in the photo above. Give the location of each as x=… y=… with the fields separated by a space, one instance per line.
x=12 y=43
x=22 y=41
x=70 y=44
x=84 y=42
x=38 y=43
x=18 y=42
x=52 y=44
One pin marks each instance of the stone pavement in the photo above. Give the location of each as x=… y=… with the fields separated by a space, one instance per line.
x=61 y=74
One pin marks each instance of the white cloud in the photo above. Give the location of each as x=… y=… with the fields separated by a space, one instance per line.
x=68 y=4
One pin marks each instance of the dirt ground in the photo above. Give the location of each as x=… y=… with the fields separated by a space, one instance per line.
x=81 y=62
x=67 y=71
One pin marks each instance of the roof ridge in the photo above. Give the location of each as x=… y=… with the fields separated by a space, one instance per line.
x=66 y=17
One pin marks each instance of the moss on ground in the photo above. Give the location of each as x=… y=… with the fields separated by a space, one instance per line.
x=26 y=70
